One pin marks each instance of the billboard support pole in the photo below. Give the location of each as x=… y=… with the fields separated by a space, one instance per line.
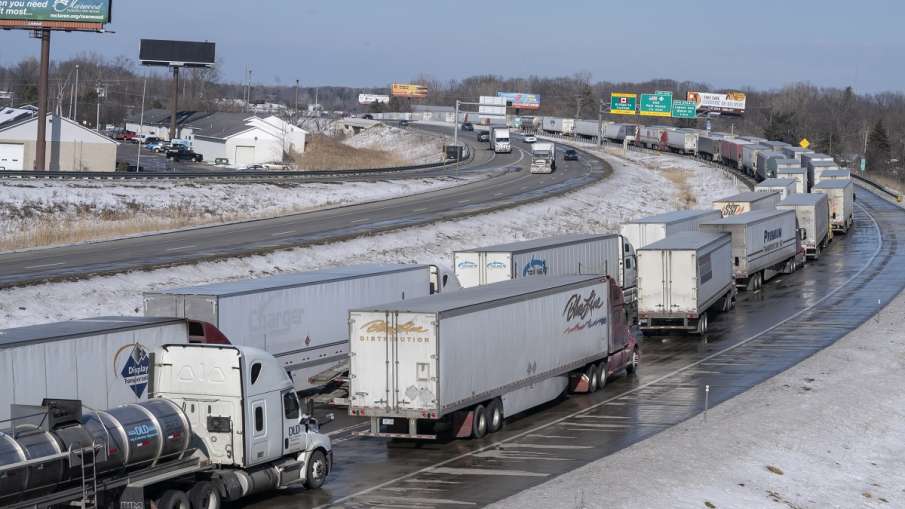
x=41 y=142
x=600 y=123
x=174 y=101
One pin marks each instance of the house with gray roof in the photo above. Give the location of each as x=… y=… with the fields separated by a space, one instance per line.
x=241 y=139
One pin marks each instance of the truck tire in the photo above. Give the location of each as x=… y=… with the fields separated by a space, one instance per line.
x=593 y=378
x=173 y=499
x=634 y=362
x=703 y=324
x=316 y=471
x=479 y=423
x=204 y=495
x=495 y=416
x=601 y=375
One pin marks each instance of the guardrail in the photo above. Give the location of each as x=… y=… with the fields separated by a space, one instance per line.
x=217 y=175
x=891 y=192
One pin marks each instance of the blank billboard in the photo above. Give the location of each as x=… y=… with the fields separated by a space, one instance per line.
x=181 y=53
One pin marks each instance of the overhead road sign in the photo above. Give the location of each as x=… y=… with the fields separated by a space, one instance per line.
x=408 y=90
x=731 y=103
x=521 y=101
x=656 y=105
x=55 y=14
x=373 y=98
x=683 y=109
x=623 y=104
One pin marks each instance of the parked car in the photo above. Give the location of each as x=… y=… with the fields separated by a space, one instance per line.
x=530 y=138
x=181 y=153
x=155 y=146
x=570 y=155
x=368 y=116
x=484 y=136
x=403 y=123
x=467 y=126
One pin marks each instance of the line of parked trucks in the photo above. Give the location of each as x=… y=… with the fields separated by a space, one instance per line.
x=197 y=401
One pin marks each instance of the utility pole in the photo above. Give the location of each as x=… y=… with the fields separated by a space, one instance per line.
x=296 y=111
x=41 y=142
x=101 y=93
x=75 y=108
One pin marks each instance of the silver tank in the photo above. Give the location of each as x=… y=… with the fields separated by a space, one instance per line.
x=128 y=436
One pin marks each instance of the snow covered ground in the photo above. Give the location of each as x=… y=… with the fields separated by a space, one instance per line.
x=29 y=208
x=830 y=432
x=631 y=191
x=411 y=146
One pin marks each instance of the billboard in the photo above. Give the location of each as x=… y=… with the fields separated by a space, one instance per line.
x=63 y=14
x=372 y=98
x=623 y=104
x=181 y=53
x=732 y=103
x=521 y=101
x=408 y=90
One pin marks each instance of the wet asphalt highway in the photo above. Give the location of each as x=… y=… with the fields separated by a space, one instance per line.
x=511 y=184
x=791 y=318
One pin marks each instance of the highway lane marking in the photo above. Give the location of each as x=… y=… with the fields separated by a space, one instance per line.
x=180 y=248
x=360 y=220
x=464 y=201
x=420 y=210
x=45 y=265
x=436 y=468
x=280 y=234
x=485 y=471
x=498 y=194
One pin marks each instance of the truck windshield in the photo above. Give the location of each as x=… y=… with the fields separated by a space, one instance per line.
x=502 y=140
x=542 y=153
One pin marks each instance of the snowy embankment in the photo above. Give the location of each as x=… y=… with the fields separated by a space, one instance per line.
x=36 y=213
x=829 y=432
x=631 y=191
x=410 y=146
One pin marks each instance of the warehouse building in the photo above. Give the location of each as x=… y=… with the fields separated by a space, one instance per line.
x=70 y=146
x=240 y=139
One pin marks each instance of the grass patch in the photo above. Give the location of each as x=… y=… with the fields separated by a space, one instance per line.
x=329 y=153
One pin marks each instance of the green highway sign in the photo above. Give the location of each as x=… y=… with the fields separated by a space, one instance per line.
x=656 y=105
x=684 y=109
x=623 y=104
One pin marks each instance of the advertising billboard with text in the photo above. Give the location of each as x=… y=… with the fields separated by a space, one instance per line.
x=72 y=14
x=521 y=101
x=732 y=103
x=408 y=90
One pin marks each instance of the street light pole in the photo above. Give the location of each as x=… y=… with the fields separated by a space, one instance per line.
x=141 y=124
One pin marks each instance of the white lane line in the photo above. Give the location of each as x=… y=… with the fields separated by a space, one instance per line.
x=612 y=401
x=45 y=265
x=383 y=501
x=485 y=471
x=464 y=201
x=498 y=194
x=360 y=220
x=181 y=248
x=420 y=210
x=281 y=234
x=347 y=428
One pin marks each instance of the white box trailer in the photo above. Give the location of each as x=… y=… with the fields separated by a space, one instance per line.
x=817 y=169
x=841 y=196
x=683 y=277
x=102 y=361
x=300 y=318
x=839 y=174
x=764 y=243
x=746 y=202
x=607 y=254
x=813 y=213
x=783 y=186
x=749 y=157
x=799 y=174
x=617 y=132
x=648 y=230
x=467 y=359
x=682 y=141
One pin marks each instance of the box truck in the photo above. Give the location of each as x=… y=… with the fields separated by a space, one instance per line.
x=608 y=254
x=458 y=364
x=746 y=202
x=648 y=230
x=300 y=318
x=841 y=196
x=499 y=140
x=222 y=423
x=764 y=243
x=783 y=186
x=799 y=174
x=543 y=157
x=682 y=278
x=101 y=361
x=813 y=213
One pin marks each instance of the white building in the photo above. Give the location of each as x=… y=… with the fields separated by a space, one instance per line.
x=156 y=122
x=70 y=146
x=240 y=139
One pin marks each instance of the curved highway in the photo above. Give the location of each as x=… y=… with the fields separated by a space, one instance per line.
x=791 y=318
x=512 y=185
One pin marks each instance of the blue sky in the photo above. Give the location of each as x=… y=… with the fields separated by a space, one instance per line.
x=726 y=43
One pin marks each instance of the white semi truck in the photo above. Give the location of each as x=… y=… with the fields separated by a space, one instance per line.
x=783 y=186
x=607 y=254
x=684 y=278
x=299 y=317
x=648 y=230
x=543 y=157
x=812 y=210
x=499 y=140
x=764 y=243
x=223 y=423
x=746 y=202
x=458 y=364
x=841 y=196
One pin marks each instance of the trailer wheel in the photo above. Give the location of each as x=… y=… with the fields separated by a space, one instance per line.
x=495 y=420
x=703 y=323
x=593 y=378
x=316 y=473
x=479 y=423
x=173 y=499
x=601 y=375
x=204 y=495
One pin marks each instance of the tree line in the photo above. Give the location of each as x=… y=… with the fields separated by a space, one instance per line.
x=838 y=121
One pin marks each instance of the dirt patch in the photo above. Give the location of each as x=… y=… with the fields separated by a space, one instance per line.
x=330 y=153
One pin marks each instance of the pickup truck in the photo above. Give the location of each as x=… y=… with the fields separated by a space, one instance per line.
x=181 y=153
